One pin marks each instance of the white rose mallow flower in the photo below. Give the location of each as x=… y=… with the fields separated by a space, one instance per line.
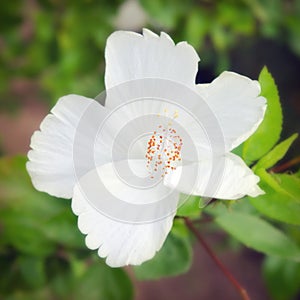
x=125 y=163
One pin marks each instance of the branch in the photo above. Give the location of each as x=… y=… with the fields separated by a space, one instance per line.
x=220 y=265
x=286 y=165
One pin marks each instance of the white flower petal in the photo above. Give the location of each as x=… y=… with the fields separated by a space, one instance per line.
x=51 y=160
x=235 y=101
x=138 y=120
x=223 y=177
x=121 y=241
x=131 y=56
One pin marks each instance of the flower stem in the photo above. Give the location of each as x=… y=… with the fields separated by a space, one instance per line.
x=220 y=265
x=286 y=165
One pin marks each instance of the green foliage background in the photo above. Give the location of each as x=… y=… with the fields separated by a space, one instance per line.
x=59 y=45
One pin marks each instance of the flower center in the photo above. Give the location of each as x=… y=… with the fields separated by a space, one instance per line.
x=163 y=151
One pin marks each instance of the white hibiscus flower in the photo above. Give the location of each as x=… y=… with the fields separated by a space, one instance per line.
x=159 y=134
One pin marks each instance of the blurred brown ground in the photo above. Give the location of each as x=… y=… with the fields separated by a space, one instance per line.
x=206 y=282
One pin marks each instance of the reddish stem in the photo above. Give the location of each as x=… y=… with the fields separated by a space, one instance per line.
x=226 y=272
x=202 y=220
x=286 y=165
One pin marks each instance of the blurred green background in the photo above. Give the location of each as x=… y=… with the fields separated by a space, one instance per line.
x=50 y=48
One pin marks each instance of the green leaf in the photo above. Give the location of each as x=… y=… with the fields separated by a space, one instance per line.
x=291 y=184
x=32 y=270
x=238 y=150
x=283 y=207
x=259 y=235
x=34 y=222
x=12 y=278
x=174 y=258
x=197 y=26
x=60 y=276
x=190 y=206
x=268 y=133
x=62 y=229
x=102 y=282
x=271 y=181
x=165 y=12
x=277 y=153
x=282 y=278
x=219 y=36
x=221 y=207
x=25 y=235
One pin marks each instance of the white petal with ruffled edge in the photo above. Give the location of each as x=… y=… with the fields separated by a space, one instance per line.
x=51 y=164
x=223 y=177
x=130 y=56
x=121 y=241
x=236 y=103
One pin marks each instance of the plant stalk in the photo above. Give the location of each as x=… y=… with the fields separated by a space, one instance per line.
x=286 y=165
x=220 y=265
